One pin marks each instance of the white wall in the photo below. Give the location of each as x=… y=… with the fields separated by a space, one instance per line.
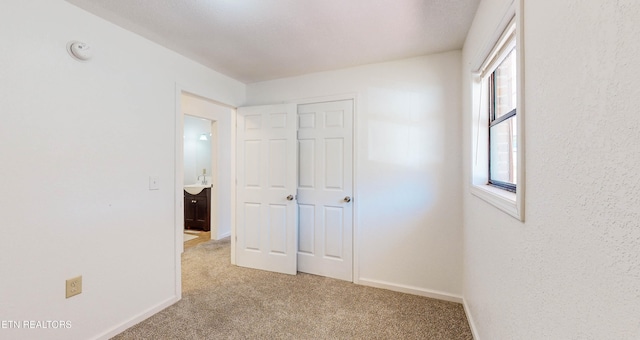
x=100 y=128
x=407 y=167
x=572 y=270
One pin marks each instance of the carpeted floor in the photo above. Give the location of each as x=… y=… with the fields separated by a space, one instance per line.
x=221 y=301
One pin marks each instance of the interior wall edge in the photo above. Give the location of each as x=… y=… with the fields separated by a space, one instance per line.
x=470 y=320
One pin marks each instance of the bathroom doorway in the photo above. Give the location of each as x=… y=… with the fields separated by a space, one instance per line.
x=207 y=163
x=200 y=167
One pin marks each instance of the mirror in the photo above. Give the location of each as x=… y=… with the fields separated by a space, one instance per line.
x=197 y=150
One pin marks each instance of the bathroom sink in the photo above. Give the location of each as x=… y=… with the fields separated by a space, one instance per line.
x=195 y=189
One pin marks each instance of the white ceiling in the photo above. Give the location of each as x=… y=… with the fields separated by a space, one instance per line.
x=256 y=40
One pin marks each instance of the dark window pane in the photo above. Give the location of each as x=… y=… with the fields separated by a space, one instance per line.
x=503 y=151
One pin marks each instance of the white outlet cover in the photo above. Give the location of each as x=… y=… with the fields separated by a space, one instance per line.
x=154 y=183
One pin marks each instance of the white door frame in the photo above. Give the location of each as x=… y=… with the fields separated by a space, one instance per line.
x=356 y=229
x=179 y=177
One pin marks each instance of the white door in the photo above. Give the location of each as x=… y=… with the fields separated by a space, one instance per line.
x=325 y=170
x=266 y=208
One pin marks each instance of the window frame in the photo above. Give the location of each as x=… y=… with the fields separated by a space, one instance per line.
x=507 y=31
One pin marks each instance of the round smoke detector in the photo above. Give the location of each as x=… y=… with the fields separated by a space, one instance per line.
x=79 y=50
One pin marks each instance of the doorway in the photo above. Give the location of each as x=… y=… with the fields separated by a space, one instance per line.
x=200 y=168
x=213 y=166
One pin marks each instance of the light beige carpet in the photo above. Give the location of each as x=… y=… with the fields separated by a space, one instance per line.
x=221 y=301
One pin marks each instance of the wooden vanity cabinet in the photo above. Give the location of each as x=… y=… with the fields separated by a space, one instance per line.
x=197 y=210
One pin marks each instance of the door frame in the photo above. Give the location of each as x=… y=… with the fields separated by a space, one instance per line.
x=179 y=176
x=355 y=217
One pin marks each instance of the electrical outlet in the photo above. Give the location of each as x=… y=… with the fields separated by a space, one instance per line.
x=74 y=286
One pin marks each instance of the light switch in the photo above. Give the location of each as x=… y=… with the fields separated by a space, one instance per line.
x=154 y=183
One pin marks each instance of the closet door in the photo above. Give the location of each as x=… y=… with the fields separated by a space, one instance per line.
x=266 y=218
x=325 y=189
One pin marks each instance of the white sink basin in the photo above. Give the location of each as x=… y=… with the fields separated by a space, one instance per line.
x=195 y=189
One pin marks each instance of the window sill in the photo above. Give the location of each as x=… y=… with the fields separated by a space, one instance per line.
x=499 y=198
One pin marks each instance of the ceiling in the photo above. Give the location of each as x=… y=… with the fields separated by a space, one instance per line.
x=257 y=40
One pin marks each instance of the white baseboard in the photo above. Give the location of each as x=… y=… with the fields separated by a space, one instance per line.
x=472 y=324
x=227 y=234
x=137 y=319
x=434 y=294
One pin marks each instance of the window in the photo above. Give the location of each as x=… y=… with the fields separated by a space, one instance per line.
x=498 y=160
x=503 y=141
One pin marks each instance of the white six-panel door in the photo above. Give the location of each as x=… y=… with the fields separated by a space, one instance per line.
x=266 y=210
x=325 y=175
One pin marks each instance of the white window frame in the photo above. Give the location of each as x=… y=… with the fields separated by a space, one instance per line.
x=509 y=29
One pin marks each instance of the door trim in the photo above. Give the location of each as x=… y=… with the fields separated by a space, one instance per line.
x=356 y=229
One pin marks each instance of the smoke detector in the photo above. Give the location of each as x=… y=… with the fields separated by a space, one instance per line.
x=79 y=50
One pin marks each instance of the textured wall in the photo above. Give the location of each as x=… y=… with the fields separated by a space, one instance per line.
x=572 y=271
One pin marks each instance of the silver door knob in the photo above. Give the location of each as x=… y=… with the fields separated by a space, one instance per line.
x=347 y=199
x=290 y=198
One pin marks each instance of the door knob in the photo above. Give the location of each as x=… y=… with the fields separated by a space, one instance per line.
x=347 y=199
x=290 y=198
x=194 y=201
